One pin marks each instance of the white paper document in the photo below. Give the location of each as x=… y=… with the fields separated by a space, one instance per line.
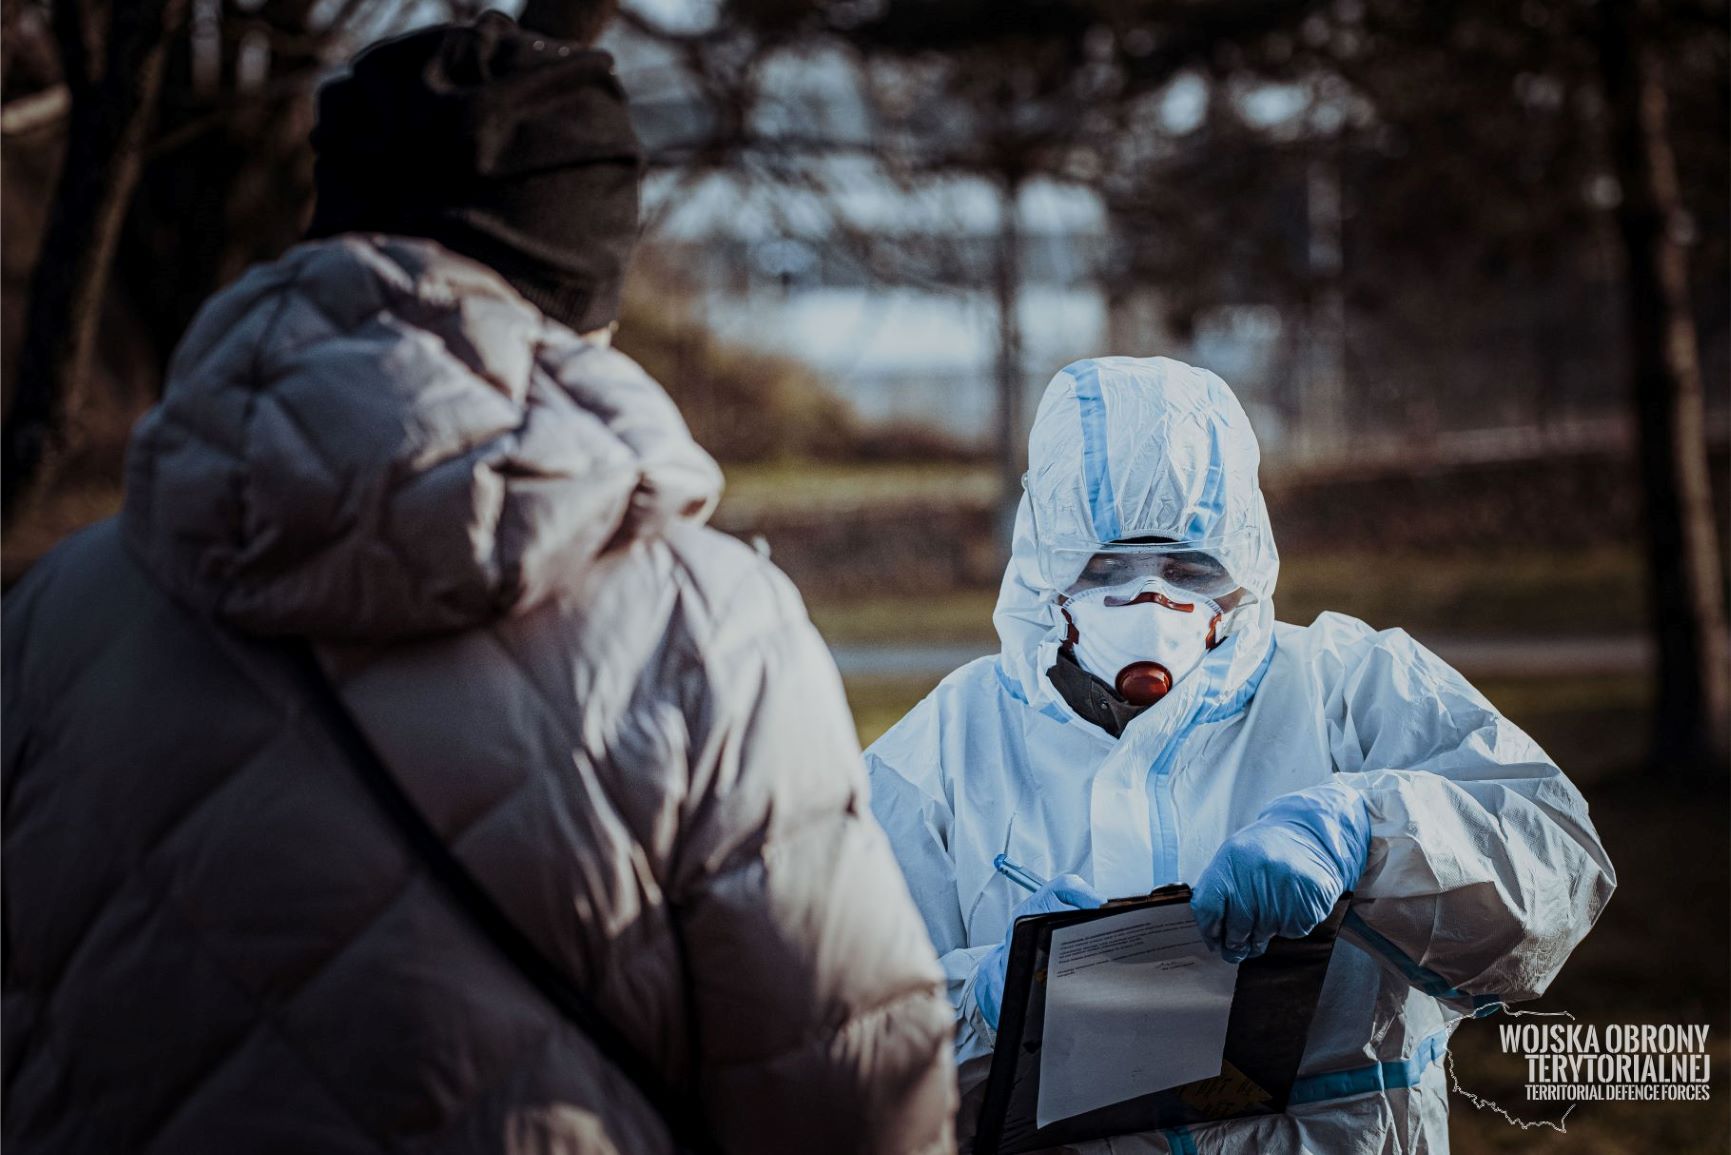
x=1135 y=1003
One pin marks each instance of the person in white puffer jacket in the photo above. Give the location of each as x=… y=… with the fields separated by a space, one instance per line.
x=1148 y=722
x=620 y=721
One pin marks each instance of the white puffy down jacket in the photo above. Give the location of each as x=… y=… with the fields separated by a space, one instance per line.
x=622 y=721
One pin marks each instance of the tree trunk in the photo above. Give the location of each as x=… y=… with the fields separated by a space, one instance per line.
x=1694 y=673
x=114 y=91
x=1012 y=436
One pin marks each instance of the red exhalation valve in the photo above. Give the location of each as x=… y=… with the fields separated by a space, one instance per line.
x=1144 y=683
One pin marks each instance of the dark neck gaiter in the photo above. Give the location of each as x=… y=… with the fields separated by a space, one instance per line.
x=1091 y=697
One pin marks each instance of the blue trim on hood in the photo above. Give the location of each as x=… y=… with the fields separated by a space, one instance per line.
x=1014 y=689
x=1211 y=506
x=1240 y=698
x=1096 y=466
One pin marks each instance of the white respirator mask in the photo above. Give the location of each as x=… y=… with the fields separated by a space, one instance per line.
x=1140 y=639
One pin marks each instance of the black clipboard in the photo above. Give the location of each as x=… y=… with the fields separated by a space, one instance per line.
x=1272 y=1006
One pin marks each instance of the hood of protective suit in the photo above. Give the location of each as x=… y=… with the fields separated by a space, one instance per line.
x=1129 y=447
x=374 y=438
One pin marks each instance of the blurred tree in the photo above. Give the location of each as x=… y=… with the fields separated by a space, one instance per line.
x=1355 y=153
x=111 y=61
x=1694 y=707
x=227 y=179
x=1470 y=155
x=1004 y=91
x=209 y=170
x=1481 y=144
x=1526 y=131
x=1036 y=88
x=741 y=404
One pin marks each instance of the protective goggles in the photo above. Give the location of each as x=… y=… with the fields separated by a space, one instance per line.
x=1203 y=567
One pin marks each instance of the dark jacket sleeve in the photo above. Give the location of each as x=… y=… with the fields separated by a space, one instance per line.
x=822 y=1023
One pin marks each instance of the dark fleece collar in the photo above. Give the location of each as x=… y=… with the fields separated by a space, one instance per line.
x=1089 y=696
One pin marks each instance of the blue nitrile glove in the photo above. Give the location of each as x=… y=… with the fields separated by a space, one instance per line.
x=1283 y=873
x=1066 y=892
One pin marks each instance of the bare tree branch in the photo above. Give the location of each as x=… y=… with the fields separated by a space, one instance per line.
x=43 y=109
x=105 y=142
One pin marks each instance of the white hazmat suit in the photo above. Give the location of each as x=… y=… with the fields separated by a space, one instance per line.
x=1483 y=872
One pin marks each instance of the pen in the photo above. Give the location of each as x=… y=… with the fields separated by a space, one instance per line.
x=1017 y=873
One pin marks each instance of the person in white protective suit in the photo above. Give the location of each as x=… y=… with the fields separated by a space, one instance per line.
x=1147 y=722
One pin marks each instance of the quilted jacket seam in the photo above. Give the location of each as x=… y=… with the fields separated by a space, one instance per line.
x=765 y=641
x=143 y=860
x=573 y=740
x=755 y=851
x=516 y=1063
x=296 y=720
x=262 y=382
x=264 y=1015
x=339 y=534
x=257 y=382
x=559 y=1031
x=661 y=904
x=757 y=576
x=698 y=646
x=857 y=1022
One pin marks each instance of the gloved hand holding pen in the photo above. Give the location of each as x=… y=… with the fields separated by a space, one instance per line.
x=1282 y=874
x=1066 y=892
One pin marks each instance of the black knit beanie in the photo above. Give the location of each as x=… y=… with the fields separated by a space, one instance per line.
x=499 y=143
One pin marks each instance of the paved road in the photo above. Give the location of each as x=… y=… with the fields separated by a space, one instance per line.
x=1491 y=657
